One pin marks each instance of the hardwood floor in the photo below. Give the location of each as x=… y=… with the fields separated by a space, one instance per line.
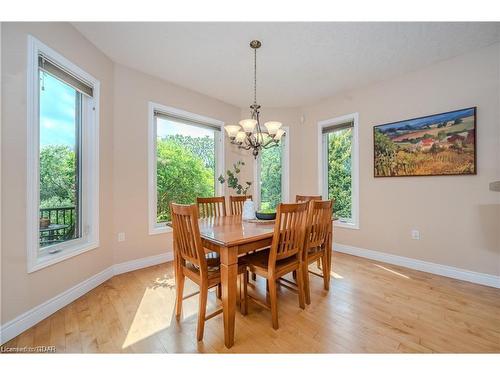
x=372 y=307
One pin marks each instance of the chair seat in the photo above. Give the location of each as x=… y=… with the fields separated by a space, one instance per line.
x=314 y=253
x=213 y=265
x=258 y=262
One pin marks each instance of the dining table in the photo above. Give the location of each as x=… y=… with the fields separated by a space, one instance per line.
x=231 y=237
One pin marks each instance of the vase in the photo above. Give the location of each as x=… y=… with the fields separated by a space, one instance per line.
x=248 y=210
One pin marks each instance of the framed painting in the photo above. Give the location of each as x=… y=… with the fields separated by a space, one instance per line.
x=437 y=145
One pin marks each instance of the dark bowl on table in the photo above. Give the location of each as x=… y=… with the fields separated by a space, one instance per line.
x=265 y=215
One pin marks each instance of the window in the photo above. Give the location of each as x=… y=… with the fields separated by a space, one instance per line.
x=62 y=158
x=338 y=165
x=185 y=159
x=271 y=176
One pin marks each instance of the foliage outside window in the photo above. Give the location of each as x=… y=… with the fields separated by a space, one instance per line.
x=271 y=178
x=339 y=151
x=185 y=164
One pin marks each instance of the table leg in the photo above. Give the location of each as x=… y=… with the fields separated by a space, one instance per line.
x=229 y=275
x=330 y=249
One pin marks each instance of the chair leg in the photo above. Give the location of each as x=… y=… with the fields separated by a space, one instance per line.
x=219 y=291
x=273 y=295
x=180 y=294
x=307 y=287
x=300 y=285
x=202 y=310
x=326 y=272
x=244 y=296
x=318 y=263
x=294 y=275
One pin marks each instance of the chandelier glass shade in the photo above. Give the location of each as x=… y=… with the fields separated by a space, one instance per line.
x=249 y=134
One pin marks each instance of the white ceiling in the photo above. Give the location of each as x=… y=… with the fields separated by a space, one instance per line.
x=298 y=63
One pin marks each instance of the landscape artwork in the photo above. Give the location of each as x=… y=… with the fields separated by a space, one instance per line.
x=436 y=145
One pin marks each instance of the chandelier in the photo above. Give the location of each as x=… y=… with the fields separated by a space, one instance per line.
x=249 y=134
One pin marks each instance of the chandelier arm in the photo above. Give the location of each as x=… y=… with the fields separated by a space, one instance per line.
x=270 y=144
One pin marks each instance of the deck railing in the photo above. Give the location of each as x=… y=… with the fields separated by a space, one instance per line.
x=62 y=216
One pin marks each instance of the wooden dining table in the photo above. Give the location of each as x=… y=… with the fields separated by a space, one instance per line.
x=230 y=237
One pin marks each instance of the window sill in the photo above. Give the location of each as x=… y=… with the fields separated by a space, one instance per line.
x=50 y=259
x=345 y=225
x=159 y=230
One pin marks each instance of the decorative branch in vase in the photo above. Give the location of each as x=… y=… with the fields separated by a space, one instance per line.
x=231 y=177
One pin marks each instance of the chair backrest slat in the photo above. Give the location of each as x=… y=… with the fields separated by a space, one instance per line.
x=289 y=231
x=236 y=203
x=318 y=224
x=188 y=245
x=211 y=207
x=307 y=198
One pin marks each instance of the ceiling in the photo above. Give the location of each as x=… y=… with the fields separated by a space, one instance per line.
x=298 y=63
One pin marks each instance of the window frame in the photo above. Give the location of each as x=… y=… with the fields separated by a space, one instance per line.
x=323 y=166
x=285 y=175
x=89 y=201
x=153 y=226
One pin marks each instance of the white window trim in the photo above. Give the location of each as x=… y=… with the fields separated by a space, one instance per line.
x=322 y=166
x=154 y=227
x=90 y=164
x=285 y=169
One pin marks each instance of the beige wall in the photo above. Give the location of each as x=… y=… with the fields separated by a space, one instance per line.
x=459 y=218
x=133 y=91
x=20 y=290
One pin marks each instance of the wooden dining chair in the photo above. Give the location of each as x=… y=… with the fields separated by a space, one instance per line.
x=284 y=256
x=191 y=261
x=211 y=206
x=307 y=198
x=236 y=203
x=317 y=242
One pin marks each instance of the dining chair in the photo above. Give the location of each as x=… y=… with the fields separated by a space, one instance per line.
x=236 y=203
x=211 y=206
x=307 y=198
x=284 y=255
x=191 y=261
x=317 y=242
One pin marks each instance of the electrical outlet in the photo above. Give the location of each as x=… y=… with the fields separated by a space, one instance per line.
x=415 y=234
x=121 y=237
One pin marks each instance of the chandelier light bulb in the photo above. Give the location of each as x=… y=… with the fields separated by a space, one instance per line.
x=272 y=126
x=248 y=125
x=279 y=133
x=232 y=130
x=240 y=137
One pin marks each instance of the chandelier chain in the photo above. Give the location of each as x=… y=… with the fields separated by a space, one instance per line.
x=255 y=76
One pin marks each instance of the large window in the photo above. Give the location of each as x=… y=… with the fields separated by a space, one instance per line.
x=185 y=161
x=339 y=167
x=271 y=176
x=62 y=162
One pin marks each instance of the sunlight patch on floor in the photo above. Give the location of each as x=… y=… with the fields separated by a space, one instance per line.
x=392 y=271
x=147 y=321
x=336 y=275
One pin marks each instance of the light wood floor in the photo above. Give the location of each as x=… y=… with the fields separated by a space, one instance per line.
x=372 y=307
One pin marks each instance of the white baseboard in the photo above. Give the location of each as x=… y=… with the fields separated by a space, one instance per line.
x=136 y=264
x=28 y=319
x=420 y=265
